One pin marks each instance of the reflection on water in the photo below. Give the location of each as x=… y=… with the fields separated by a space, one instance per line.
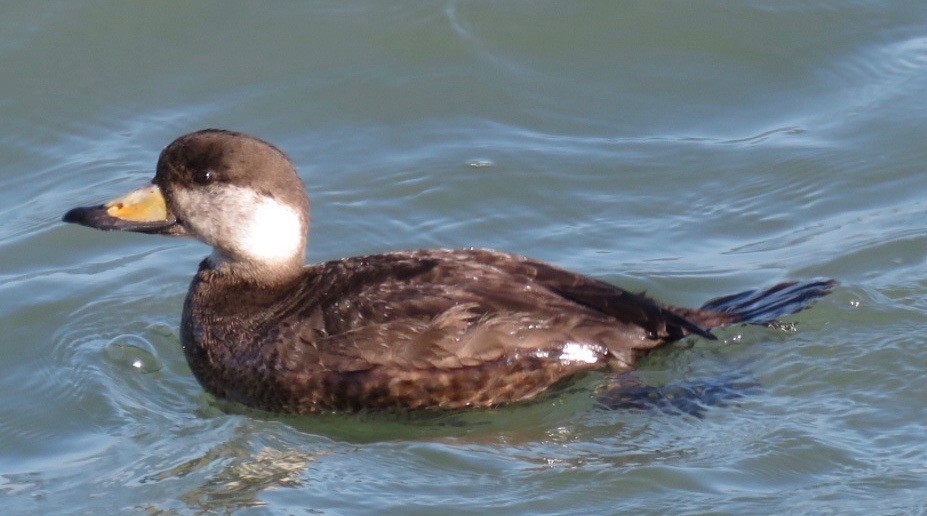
x=689 y=150
x=243 y=476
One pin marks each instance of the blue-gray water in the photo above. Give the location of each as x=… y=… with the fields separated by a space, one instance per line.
x=687 y=148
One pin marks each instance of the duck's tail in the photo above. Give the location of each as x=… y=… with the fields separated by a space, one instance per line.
x=760 y=306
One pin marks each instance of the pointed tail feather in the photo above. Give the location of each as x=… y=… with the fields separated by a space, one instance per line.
x=763 y=306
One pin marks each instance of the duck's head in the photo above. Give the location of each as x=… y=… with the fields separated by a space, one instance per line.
x=239 y=194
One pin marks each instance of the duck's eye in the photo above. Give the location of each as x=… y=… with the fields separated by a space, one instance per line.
x=203 y=177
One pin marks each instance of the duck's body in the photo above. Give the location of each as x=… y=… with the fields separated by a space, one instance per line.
x=437 y=328
x=418 y=329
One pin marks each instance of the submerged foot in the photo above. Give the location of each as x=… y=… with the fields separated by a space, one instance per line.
x=691 y=397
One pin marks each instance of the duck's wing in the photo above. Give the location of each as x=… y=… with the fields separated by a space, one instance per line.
x=659 y=321
x=446 y=309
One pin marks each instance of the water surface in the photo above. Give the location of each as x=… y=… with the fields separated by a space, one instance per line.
x=686 y=149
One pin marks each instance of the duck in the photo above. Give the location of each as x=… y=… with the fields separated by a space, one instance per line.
x=420 y=329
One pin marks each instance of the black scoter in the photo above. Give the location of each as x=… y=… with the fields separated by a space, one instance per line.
x=411 y=329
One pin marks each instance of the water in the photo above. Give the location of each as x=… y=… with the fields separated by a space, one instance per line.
x=689 y=149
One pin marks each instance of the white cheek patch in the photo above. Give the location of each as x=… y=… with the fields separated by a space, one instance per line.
x=241 y=224
x=272 y=233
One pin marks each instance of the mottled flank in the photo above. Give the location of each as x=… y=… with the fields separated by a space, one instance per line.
x=416 y=329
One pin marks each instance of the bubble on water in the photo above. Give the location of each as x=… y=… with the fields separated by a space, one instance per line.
x=134 y=352
x=735 y=339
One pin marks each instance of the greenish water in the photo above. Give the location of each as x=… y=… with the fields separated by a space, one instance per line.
x=687 y=148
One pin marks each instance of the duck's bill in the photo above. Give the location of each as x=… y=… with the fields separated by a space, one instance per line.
x=143 y=210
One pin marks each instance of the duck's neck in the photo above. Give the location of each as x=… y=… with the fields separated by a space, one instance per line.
x=260 y=273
